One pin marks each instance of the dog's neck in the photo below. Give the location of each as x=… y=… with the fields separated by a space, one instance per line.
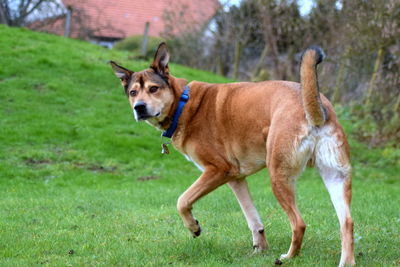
x=178 y=86
x=164 y=124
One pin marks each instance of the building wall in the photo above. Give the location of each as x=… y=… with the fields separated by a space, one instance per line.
x=123 y=18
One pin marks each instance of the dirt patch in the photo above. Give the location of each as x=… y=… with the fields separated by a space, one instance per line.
x=95 y=167
x=148 y=178
x=99 y=168
x=38 y=87
x=32 y=161
x=90 y=167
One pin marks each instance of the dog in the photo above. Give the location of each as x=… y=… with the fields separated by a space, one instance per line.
x=230 y=131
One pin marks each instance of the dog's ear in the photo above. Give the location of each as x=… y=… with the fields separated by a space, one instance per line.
x=122 y=73
x=161 y=59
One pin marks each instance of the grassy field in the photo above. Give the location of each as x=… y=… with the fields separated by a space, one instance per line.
x=82 y=184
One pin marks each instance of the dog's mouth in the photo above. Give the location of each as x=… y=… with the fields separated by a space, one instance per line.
x=142 y=117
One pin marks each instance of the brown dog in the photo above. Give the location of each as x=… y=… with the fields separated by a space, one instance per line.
x=231 y=131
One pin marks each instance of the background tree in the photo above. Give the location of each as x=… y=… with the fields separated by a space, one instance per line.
x=20 y=12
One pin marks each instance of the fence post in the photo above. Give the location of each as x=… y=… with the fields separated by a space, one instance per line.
x=145 y=36
x=67 y=26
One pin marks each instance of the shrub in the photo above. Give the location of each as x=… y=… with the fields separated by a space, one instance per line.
x=134 y=45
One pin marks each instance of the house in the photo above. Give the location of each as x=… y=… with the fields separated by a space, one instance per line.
x=104 y=22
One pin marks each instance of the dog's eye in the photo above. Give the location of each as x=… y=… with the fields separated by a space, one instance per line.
x=153 y=89
x=133 y=93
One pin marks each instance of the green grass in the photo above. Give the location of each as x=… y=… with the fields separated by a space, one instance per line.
x=73 y=168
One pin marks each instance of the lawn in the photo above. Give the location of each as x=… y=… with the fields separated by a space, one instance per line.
x=82 y=184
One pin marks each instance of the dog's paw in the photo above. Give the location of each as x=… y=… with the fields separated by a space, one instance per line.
x=350 y=263
x=259 y=241
x=257 y=249
x=283 y=256
x=197 y=232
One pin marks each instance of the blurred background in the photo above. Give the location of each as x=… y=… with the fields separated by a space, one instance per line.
x=250 y=40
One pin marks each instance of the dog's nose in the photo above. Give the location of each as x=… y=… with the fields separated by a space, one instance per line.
x=140 y=107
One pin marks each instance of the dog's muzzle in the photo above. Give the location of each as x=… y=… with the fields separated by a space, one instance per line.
x=141 y=111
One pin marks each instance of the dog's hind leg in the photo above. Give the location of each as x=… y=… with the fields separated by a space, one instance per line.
x=241 y=191
x=207 y=182
x=285 y=162
x=284 y=189
x=332 y=163
x=339 y=187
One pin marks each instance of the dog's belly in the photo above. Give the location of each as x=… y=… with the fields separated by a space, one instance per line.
x=248 y=153
x=247 y=164
x=251 y=168
x=251 y=164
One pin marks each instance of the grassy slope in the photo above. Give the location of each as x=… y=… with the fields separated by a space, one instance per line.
x=71 y=156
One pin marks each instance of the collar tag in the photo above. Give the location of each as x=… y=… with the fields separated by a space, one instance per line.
x=164 y=149
x=164 y=146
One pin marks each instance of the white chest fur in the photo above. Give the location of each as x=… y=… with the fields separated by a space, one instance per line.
x=195 y=163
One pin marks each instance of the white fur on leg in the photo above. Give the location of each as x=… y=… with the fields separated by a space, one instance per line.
x=336 y=191
x=335 y=171
x=283 y=256
x=334 y=182
x=240 y=188
x=335 y=188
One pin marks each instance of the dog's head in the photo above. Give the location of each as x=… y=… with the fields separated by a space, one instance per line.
x=151 y=92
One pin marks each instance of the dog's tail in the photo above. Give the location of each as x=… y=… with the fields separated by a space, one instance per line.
x=315 y=111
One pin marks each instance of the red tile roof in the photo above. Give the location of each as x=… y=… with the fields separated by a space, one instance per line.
x=122 y=18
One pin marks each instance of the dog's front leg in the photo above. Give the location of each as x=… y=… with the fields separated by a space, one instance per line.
x=207 y=182
x=241 y=191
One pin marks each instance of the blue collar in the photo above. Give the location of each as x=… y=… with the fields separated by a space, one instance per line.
x=182 y=101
